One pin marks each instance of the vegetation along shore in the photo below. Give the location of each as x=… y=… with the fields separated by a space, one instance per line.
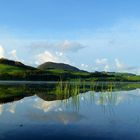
x=50 y=71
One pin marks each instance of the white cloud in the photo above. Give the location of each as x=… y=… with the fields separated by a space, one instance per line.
x=14 y=53
x=102 y=64
x=102 y=61
x=71 y=46
x=2 y=51
x=46 y=57
x=119 y=65
x=51 y=57
x=59 y=53
x=122 y=67
x=55 y=51
x=84 y=66
x=106 y=68
x=56 y=45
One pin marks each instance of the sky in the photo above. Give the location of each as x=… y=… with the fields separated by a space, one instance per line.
x=94 y=35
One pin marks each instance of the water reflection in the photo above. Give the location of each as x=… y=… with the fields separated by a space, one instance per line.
x=57 y=96
x=95 y=110
x=61 y=91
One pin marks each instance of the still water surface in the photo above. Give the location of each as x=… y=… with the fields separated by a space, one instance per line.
x=98 y=112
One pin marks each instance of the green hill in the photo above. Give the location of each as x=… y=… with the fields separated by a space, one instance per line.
x=49 y=71
x=58 y=66
x=11 y=67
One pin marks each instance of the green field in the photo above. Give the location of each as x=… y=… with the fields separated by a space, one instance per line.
x=10 y=69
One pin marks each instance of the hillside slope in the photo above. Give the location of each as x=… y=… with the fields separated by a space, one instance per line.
x=49 y=71
x=9 y=66
x=58 y=66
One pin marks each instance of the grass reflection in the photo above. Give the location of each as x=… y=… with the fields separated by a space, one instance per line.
x=100 y=93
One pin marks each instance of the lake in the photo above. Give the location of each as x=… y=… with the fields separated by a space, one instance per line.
x=67 y=110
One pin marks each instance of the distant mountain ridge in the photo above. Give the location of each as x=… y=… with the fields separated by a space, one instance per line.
x=59 y=66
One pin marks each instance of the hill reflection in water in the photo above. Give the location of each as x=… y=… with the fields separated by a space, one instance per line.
x=93 y=110
x=60 y=90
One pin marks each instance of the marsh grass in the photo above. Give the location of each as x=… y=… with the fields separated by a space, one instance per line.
x=99 y=92
x=66 y=90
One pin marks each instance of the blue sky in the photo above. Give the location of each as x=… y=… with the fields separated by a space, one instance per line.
x=90 y=34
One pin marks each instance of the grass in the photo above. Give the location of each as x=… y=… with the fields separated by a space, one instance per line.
x=56 y=71
x=9 y=72
x=10 y=69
